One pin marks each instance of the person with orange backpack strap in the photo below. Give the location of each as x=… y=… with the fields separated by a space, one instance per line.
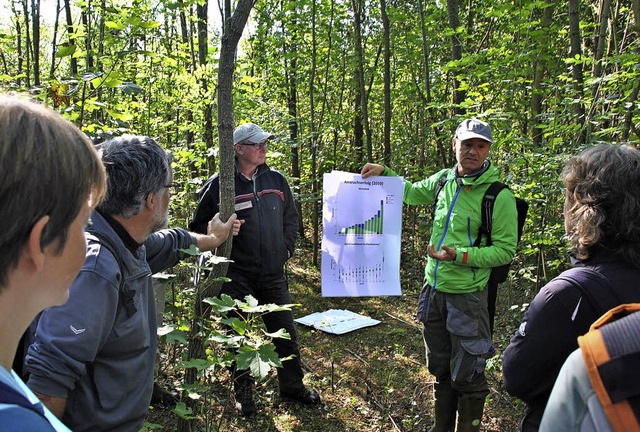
x=602 y=223
x=598 y=388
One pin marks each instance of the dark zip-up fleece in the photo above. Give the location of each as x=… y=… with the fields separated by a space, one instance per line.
x=267 y=238
x=549 y=331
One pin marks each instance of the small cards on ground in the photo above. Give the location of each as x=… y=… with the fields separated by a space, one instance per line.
x=337 y=321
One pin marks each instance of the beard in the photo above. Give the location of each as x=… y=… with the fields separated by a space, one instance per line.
x=161 y=223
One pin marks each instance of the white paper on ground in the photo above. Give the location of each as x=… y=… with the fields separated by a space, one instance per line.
x=337 y=321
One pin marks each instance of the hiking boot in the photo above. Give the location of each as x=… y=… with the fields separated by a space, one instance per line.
x=243 y=390
x=161 y=397
x=305 y=396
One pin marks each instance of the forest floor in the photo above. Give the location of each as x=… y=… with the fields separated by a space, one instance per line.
x=372 y=379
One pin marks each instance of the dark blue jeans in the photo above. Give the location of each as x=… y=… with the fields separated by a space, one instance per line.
x=271 y=290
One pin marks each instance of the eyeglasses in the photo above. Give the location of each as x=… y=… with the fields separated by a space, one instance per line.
x=258 y=146
x=175 y=187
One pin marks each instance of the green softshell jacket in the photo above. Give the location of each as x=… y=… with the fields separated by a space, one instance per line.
x=456 y=221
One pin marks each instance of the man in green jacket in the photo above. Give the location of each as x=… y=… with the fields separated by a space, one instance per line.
x=453 y=303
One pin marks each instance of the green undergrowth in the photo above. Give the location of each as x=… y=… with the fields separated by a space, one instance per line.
x=372 y=379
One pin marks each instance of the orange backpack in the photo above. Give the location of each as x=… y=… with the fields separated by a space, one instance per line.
x=612 y=359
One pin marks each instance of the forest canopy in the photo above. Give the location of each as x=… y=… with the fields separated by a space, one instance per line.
x=345 y=82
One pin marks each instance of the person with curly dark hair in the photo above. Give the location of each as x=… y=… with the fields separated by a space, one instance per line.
x=602 y=222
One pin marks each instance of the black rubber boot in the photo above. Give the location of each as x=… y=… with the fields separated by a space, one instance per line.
x=445 y=408
x=470 y=409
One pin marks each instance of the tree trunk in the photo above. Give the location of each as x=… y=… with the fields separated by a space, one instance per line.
x=202 y=9
x=233 y=26
x=291 y=73
x=184 y=28
x=188 y=41
x=363 y=102
x=314 y=140
x=358 y=131
x=54 y=41
x=443 y=150
x=575 y=53
x=27 y=44
x=540 y=69
x=387 y=83
x=101 y=26
x=71 y=39
x=628 y=117
x=19 y=39
x=598 y=55
x=456 y=54
x=86 y=21
x=35 y=20
x=600 y=41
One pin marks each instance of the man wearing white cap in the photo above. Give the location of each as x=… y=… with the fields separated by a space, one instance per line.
x=265 y=242
x=453 y=302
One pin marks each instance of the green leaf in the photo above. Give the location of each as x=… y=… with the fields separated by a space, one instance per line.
x=133 y=20
x=281 y=334
x=251 y=301
x=193 y=250
x=183 y=411
x=251 y=307
x=119 y=116
x=164 y=276
x=221 y=304
x=238 y=325
x=166 y=329
x=260 y=361
x=149 y=24
x=112 y=80
x=226 y=340
x=215 y=260
x=130 y=88
x=65 y=50
x=199 y=364
x=178 y=336
x=114 y=25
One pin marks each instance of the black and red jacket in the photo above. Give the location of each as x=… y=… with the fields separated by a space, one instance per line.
x=267 y=238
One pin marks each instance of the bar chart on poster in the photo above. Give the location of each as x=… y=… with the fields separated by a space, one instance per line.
x=362 y=223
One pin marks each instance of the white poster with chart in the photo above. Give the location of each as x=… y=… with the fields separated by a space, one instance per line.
x=361 y=231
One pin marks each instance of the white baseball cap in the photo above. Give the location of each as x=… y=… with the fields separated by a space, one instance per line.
x=250 y=132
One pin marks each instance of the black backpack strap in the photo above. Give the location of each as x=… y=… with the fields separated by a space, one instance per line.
x=126 y=295
x=441 y=182
x=9 y=395
x=488 y=200
x=577 y=276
